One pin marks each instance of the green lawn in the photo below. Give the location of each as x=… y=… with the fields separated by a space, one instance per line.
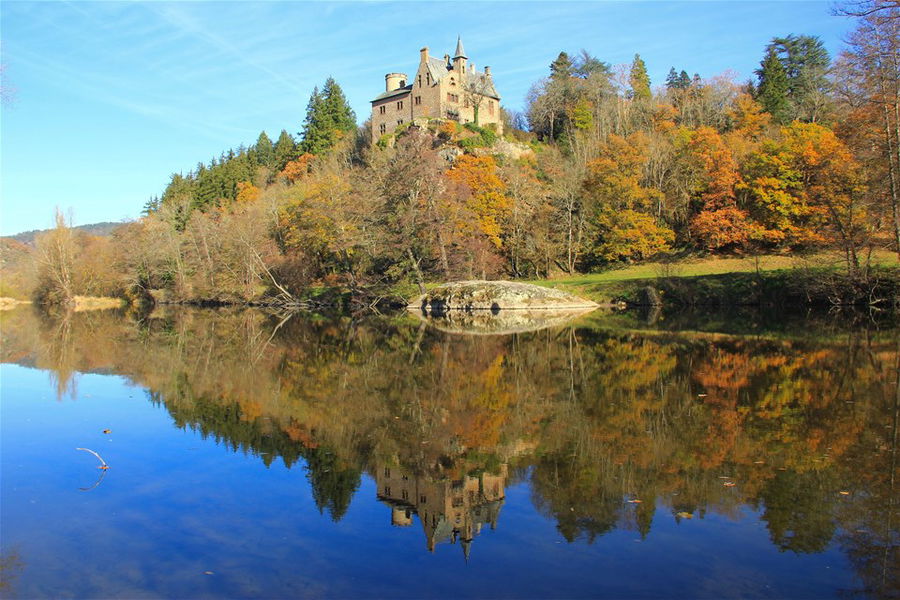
x=614 y=284
x=692 y=267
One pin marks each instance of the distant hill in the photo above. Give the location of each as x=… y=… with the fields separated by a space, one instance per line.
x=101 y=229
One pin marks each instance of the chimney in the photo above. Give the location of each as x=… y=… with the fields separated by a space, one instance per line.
x=447 y=59
x=487 y=71
x=423 y=53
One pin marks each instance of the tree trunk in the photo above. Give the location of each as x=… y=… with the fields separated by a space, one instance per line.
x=420 y=281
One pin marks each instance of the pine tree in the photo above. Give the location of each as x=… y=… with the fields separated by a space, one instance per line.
x=328 y=118
x=639 y=80
x=561 y=68
x=672 y=79
x=265 y=151
x=285 y=150
x=806 y=63
x=772 y=91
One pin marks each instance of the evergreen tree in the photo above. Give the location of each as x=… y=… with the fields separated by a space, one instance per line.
x=639 y=79
x=561 y=68
x=285 y=150
x=265 y=151
x=328 y=118
x=806 y=63
x=672 y=80
x=678 y=81
x=772 y=91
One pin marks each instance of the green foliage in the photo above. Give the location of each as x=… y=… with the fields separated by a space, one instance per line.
x=265 y=151
x=486 y=137
x=677 y=81
x=806 y=64
x=639 y=79
x=328 y=119
x=285 y=150
x=772 y=90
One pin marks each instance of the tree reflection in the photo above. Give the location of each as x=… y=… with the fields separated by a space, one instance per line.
x=616 y=428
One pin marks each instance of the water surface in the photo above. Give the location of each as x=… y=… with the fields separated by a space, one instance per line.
x=621 y=455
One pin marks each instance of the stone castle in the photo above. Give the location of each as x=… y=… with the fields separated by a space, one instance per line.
x=443 y=88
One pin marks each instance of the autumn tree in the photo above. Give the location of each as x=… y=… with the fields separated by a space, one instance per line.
x=869 y=83
x=56 y=257
x=719 y=223
x=621 y=209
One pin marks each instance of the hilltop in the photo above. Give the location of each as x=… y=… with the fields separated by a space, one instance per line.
x=100 y=229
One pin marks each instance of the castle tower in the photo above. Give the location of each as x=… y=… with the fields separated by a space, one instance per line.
x=460 y=58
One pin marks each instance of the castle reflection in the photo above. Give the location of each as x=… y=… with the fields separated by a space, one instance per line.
x=450 y=510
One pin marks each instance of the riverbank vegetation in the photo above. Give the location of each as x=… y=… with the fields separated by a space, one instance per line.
x=601 y=170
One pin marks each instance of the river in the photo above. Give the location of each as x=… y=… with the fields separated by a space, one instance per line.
x=626 y=455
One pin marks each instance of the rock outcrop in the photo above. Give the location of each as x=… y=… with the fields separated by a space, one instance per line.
x=497 y=295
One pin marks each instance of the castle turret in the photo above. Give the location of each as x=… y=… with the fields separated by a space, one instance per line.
x=459 y=58
x=394 y=81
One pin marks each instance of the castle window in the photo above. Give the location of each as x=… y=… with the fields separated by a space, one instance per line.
x=420 y=81
x=418 y=100
x=491 y=107
x=387 y=472
x=383 y=128
x=404 y=494
x=402 y=83
x=399 y=121
x=428 y=78
x=452 y=82
x=382 y=109
x=400 y=105
x=452 y=97
x=387 y=491
x=423 y=499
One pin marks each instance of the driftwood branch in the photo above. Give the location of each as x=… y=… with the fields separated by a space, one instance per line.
x=103 y=464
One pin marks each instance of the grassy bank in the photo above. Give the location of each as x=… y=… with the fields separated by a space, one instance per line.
x=817 y=279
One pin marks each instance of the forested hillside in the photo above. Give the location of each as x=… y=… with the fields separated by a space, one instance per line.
x=607 y=167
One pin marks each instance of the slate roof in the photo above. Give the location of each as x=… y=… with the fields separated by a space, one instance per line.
x=438 y=68
x=460 y=51
x=398 y=92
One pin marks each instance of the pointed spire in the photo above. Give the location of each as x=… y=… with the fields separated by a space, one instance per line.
x=460 y=51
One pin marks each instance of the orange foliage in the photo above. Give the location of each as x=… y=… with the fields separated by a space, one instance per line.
x=297 y=169
x=486 y=198
x=247 y=192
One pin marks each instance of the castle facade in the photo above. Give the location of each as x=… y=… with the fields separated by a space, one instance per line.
x=443 y=88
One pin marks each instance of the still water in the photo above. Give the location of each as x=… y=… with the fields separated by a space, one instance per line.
x=256 y=455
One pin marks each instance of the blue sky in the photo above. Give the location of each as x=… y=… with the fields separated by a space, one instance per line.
x=111 y=98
